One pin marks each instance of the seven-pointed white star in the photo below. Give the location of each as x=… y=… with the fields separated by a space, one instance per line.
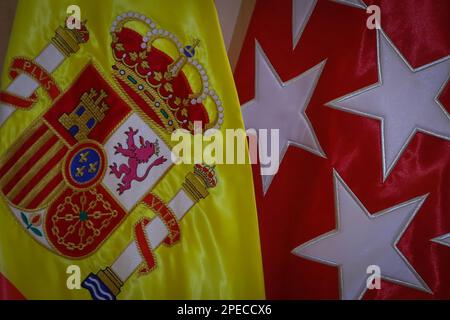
x=353 y=3
x=405 y=101
x=444 y=239
x=281 y=105
x=361 y=240
x=301 y=11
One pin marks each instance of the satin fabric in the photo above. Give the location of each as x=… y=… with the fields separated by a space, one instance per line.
x=300 y=204
x=219 y=255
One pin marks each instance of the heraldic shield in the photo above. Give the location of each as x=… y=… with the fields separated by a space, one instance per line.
x=102 y=146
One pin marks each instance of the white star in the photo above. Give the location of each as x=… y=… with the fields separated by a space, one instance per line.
x=353 y=3
x=361 y=240
x=281 y=105
x=444 y=240
x=405 y=101
x=301 y=12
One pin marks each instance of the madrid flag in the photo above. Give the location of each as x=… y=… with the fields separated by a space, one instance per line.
x=359 y=92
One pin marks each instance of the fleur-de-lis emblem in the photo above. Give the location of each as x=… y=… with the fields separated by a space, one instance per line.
x=168 y=87
x=133 y=56
x=119 y=46
x=143 y=55
x=80 y=171
x=157 y=76
x=93 y=167
x=83 y=157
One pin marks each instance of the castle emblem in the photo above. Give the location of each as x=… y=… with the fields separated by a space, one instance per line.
x=86 y=115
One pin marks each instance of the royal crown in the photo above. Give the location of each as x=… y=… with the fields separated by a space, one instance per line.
x=68 y=40
x=162 y=76
x=198 y=182
x=207 y=173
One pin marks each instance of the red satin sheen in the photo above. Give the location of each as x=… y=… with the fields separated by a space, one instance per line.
x=300 y=203
x=8 y=291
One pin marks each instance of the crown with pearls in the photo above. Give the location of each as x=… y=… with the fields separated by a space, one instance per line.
x=162 y=84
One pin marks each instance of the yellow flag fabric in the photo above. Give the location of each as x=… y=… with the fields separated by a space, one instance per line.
x=218 y=256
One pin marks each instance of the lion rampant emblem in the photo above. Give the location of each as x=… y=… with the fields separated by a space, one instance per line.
x=136 y=156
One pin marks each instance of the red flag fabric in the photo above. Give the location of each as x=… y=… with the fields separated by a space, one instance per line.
x=8 y=291
x=367 y=163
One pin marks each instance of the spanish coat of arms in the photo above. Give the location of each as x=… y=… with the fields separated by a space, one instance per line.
x=78 y=170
